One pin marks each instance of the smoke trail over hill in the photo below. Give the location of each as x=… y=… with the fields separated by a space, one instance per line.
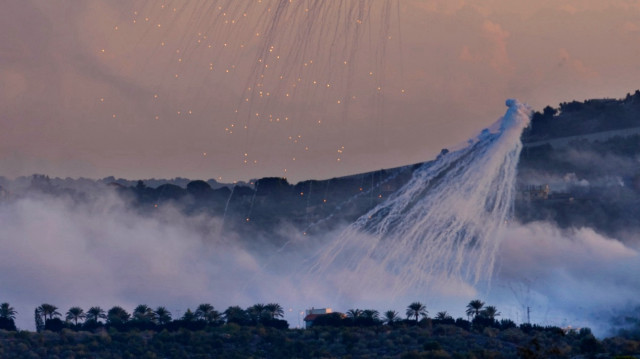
x=443 y=224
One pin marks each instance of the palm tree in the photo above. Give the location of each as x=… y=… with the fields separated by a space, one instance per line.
x=371 y=314
x=39 y=321
x=443 y=315
x=95 y=314
x=490 y=312
x=48 y=310
x=162 y=315
x=391 y=316
x=75 y=314
x=208 y=313
x=203 y=310
x=214 y=317
x=256 y=312
x=354 y=313
x=189 y=316
x=235 y=314
x=416 y=309
x=143 y=313
x=474 y=307
x=274 y=310
x=7 y=311
x=117 y=315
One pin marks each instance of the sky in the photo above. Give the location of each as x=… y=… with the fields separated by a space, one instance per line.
x=135 y=89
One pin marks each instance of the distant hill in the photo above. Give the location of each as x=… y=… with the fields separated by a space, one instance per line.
x=582 y=118
x=580 y=166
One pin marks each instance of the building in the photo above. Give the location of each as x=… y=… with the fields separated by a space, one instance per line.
x=313 y=313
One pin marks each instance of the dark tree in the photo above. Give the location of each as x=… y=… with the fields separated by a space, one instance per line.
x=334 y=319
x=474 y=307
x=256 y=312
x=95 y=314
x=354 y=313
x=48 y=311
x=371 y=314
x=274 y=310
x=416 y=310
x=117 y=315
x=549 y=111
x=54 y=325
x=162 y=315
x=208 y=313
x=189 y=316
x=142 y=313
x=7 y=316
x=198 y=188
x=7 y=324
x=7 y=311
x=490 y=312
x=39 y=320
x=391 y=316
x=235 y=314
x=75 y=314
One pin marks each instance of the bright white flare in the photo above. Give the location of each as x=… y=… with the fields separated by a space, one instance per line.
x=443 y=224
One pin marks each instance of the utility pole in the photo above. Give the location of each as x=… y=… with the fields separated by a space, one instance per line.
x=529 y=315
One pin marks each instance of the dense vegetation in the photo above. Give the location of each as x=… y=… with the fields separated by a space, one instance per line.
x=255 y=332
x=579 y=118
x=594 y=180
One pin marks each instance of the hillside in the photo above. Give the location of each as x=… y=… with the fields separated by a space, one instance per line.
x=579 y=167
x=429 y=339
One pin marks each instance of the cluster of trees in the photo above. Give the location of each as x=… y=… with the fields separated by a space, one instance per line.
x=254 y=331
x=143 y=317
x=47 y=317
x=478 y=316
x=372 y=317
x=577 y=118
x=7 y=317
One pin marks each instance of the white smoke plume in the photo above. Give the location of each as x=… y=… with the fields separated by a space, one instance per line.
x=444 y=222
x=574 y=277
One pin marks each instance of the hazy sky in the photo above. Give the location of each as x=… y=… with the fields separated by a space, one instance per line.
x=86 y=91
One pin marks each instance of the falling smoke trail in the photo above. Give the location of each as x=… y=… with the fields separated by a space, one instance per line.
x=297 y=67
x=443 y=224
x=350 y=200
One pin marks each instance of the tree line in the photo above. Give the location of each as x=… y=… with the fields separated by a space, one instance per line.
x=48 y=317
x=143 y=317
x=479 y=316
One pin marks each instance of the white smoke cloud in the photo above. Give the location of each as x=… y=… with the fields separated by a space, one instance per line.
x=567 y=277
x=102 y=252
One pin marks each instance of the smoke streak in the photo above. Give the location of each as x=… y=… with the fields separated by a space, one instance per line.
x=443 y=224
